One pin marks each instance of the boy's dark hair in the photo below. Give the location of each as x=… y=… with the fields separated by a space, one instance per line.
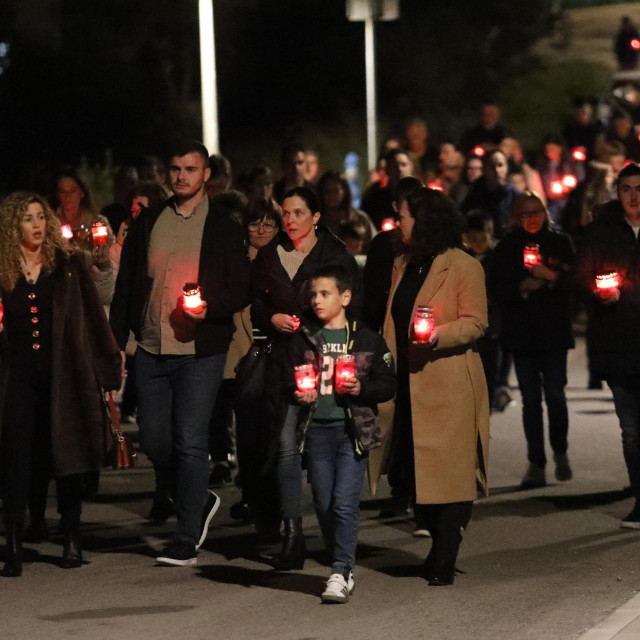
x=337 y=273
x=183 y=147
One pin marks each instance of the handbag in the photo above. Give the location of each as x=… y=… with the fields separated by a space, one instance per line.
x=122 y=455
x=251 y=372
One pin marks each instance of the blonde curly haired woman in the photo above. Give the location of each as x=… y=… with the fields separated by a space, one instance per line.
x=56 y=353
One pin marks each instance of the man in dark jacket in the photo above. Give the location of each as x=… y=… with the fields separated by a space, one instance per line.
x=181 y=353
x=611 y=245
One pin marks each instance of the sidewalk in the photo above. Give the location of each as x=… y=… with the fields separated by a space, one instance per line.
x=622 y=624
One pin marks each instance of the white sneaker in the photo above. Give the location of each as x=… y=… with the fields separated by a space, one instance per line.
x=337 y=590
x=421 y=532
x=351 y=585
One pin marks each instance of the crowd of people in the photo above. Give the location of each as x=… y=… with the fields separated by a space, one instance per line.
x=276 y=327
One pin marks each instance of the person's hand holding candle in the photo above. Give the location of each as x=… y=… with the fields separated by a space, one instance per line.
x=608 y=288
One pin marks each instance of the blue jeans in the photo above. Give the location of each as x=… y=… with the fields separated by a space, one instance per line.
x=176 y=395
x=290 y=466
x=626 y=399
x=537 y=372
x=336 y=474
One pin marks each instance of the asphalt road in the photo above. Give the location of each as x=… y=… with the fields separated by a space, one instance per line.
x=549 y=563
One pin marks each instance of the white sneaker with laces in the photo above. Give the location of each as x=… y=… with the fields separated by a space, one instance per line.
x=337 y=589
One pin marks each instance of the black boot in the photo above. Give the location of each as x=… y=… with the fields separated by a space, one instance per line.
x=13 y=562
x=293 y=550
x=72 y=550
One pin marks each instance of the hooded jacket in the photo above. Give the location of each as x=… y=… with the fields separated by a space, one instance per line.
x=374 y=370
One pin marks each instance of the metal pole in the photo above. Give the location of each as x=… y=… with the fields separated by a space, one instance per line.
x=370 y=62
x=208 y=77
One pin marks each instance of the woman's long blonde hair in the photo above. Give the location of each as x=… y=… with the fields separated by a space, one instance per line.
x=12 y=210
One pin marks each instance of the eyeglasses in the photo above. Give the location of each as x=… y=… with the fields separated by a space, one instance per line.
x=267 y=226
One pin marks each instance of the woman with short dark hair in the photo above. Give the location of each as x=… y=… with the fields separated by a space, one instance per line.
x=442 y=403
x=281 y=276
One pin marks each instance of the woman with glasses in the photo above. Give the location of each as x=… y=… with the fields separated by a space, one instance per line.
x=530 y=280
x=280 y=298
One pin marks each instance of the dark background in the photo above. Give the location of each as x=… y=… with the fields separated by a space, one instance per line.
x=83 y=77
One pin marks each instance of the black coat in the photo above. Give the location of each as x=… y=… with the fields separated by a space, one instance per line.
x=374 y=370
x=223 y=277
x=85 y=358
x=274 y=292
x=542 y=320
x=613 y=335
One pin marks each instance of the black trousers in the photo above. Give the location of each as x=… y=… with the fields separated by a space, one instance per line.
x=26 y=451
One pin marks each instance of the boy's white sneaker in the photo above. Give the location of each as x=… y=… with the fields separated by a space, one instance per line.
x=337 y=590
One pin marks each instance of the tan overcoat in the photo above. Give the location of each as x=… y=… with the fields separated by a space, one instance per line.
x=449 y=399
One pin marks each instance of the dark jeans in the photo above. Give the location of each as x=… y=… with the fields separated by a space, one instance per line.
x=626 y=399
x=538 y=372
x=290 y=466
x=26 y=452
x=176 y=395
x=336 y=474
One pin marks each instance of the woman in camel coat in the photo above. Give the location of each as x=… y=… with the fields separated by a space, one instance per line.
x=442 y=402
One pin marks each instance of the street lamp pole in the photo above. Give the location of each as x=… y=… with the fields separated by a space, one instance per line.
x=370 y=64
x=208 y=77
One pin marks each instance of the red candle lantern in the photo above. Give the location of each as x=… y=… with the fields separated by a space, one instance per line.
x=67 y=231
x=635 y=44
x=100 y=233
x=296 y=323
x=388 y=224
x=305 y=377
x=579 y=154
x=423 y=324
x=608 y=282
x=1 y=312
x=345 y=370
x=531 y=255
x=478 y=150
x=436 y=186
x=569 y=182
x=557 y=188
x=191 y=300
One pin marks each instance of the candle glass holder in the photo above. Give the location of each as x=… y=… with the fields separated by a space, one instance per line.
x=191 y=300
x=531 y=255
x=345 y=370
x=66 y=231
x=423 y=324
x=608 y=282
x=100 y=234
x=305 y=377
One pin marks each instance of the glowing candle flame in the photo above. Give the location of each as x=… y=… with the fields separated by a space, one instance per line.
x=388 y=224
x=608 y=281
x=100 y=233
x=635 y=44
x=305 y=377
x=435 y=185
x=191 y=299
x=579 y=154
x=478 y=150
x=423 y=324
x=569 y=181
x=67 y=231
x=531 y=255
x=557 y=188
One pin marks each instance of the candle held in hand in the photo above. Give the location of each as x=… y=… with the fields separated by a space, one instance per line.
x=531 y=255
x=305 y=377
x=423 y=324
x=191 y=298
x=345 y=370
x=608 y=282
x=100 y=233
